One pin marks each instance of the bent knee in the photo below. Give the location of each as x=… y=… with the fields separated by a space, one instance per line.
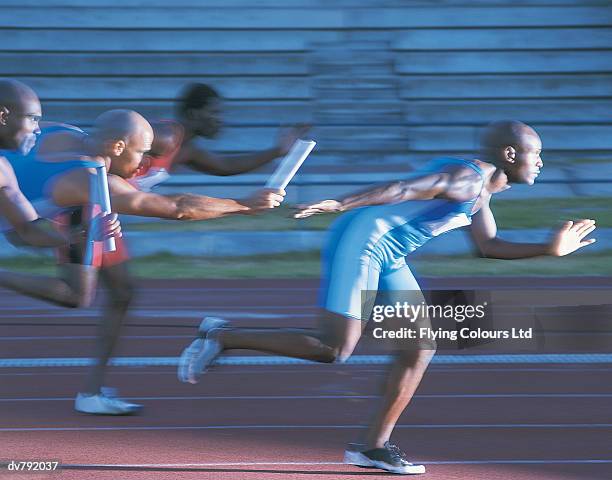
x=420 y=356
x=75 y=299
x=335 y=354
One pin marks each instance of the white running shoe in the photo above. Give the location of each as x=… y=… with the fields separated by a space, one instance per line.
x=389 y=458
x=104 y=403
x=210 y=323
x=201 y=353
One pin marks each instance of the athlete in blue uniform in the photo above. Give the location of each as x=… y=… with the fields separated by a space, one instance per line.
x=20 y=113
x=366 y=252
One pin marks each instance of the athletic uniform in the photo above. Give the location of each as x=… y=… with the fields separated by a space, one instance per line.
x=36 y=178
x=156 y=169
x=366 y=248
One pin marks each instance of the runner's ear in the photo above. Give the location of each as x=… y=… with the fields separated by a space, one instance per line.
x=4 y=112
x=117 y=147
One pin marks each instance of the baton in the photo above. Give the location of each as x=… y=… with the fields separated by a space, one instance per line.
x=290 y=164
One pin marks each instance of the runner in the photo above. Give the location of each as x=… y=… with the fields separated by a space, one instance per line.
x=184 y=142
x=366 y=252
x=119 y=140
x=20 y=113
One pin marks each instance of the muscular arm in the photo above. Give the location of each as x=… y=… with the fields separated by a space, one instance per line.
x=484 y=233
x=72 y=190
x=195 y=156
x=20 y=214
x=458 y=185
x=422 y=188
x=127 y=200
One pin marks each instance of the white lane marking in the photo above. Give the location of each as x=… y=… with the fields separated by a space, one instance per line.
x=324 y=397
x=586 y=358
x=200 y=313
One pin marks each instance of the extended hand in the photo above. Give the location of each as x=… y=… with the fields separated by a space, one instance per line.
x=569 y=237
x=288 y=136
x=326 y=206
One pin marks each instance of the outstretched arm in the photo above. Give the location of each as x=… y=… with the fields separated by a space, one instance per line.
x=127 y=200
x=421 y=188
x=196 y=156
x=567 y=239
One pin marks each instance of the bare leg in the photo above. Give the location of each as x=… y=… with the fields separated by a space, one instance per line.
x=120 y=294
x=403 y=379
x=336 y=337
x=74 y=288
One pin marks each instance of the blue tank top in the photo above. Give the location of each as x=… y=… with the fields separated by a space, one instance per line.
x=34 y=176
x=390 y=232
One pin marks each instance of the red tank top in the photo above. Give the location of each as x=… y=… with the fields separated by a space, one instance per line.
x=155 y=169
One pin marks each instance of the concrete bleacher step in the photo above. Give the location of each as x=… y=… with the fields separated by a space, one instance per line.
x=347 y=114
x=150 y=88
x=295 y=63
x=477 y=111
x=411 y=112
x=158 y=64
x=505 y=86
x=421 y=77
x=483 y=62
x=167 y=40
x=297 y=3
x=321 y=17
x=271 y=113
x=502 y=39
x=523 y=87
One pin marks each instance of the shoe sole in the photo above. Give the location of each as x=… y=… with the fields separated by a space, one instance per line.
x=125 y=413
x=360 y=460
x=191 y=351
x=195 y=348
x=108 y=414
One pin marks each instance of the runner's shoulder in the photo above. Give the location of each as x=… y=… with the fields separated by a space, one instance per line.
x=465 y=179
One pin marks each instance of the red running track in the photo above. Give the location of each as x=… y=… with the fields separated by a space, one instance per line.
x=521 y=421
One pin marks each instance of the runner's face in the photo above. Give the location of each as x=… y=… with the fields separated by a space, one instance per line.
x=207 y=120
x=527 y=161
x=21 y=125
x=126 y=165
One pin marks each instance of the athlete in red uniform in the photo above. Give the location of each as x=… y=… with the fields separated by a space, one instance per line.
x=183 y=142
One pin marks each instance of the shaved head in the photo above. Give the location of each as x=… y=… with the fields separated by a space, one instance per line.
x=121 y=125
x=499 y=135
x=123 y=136
x=14 y=93
x=515 y=148
x=20 y=113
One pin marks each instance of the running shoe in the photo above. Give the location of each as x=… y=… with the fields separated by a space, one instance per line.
x=104 y=403
x=389 y=458
x=201 y=353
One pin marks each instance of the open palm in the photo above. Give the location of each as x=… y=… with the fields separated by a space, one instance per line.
x=326 y=206
x=570 y=237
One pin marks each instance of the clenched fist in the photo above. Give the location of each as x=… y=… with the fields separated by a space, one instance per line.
x=265 y=199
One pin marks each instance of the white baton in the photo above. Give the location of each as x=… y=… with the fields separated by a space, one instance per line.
x=103 y=198
x=290 y=164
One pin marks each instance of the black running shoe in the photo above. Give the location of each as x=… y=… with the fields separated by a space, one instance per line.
x=390 y=458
